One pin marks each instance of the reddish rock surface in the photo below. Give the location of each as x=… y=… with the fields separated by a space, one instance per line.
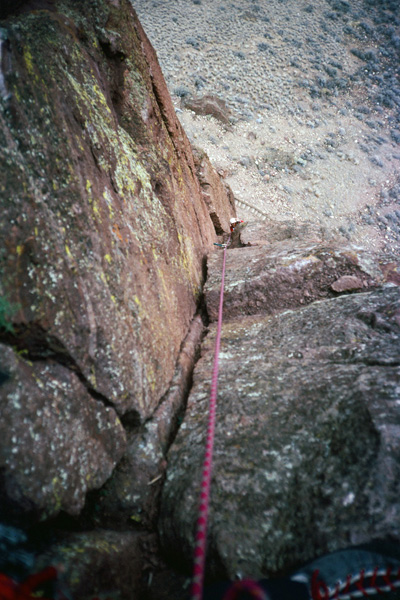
x=284 y=267
x=216 y=193
x=209 y=105
x=104 y=225
x=57 y=442
x=107 y=220
x=132 y=493
x=347 y=283
x=104 y=237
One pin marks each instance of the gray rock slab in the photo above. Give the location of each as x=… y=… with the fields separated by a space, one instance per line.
x=57 y=441
x=307 y=450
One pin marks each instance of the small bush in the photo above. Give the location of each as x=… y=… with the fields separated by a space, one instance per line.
x=181 y=91
x=395 y=40
x=367 y=28
x=341 y=6
x=370 y=55
x=193 y=42
x=395 y=135
x=330 y=70
x=359 y=53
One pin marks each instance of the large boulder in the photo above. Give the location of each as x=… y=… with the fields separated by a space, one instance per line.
x=57 y=441
x=283 y=266
x=307 y=452
x=104 y=236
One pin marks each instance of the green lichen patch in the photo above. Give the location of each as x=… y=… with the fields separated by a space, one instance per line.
x=7 y=311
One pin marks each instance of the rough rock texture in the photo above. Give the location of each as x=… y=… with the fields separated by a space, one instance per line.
x=104 y=230
x=209 y=105
x=102 y=563
x=104 y=234
x=132 y=493
x=57 y=442
x=216 y=193
x=307 y=454
x=281 y=270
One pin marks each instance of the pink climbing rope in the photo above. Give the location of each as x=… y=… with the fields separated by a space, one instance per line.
x=201 y=535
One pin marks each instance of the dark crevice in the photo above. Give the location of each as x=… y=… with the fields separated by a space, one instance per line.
x=202 y=312
x=378 y=363
x=34 y=344
x=131 y=421
x=217 y=223
x=182 y=381
x=116 y=60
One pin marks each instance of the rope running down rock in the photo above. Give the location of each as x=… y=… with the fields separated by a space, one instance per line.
x=201 y=535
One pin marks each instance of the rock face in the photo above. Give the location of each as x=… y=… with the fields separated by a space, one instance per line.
x=209 y=105
x=107 y=220
x=102 y=563
x=101 y=207
x=57 y=441
x=104 y=234
x=132 y=493
x=281 y=268
x=216 y=194
x=307 y=455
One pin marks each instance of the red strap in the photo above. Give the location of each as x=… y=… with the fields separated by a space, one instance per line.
x=316 y=587
x=11 y=590
x=7 y=587
x=27 y=587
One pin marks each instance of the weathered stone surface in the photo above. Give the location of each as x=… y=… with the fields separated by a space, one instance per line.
x=307 y=452
x=132 y=493
x=209 y=105
x=283 y=267
x=102 y=563
x=104 y=230
x=57 y=442
x=216 y=193
x=347 y=283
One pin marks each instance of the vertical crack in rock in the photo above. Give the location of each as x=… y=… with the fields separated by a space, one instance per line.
x=132 y=493
x=34 y=344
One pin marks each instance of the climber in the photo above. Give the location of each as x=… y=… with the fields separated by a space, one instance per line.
x=234 y=222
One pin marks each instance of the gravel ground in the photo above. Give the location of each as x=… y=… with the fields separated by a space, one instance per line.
x=313 y=97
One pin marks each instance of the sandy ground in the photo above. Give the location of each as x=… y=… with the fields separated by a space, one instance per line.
x=313 y=97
